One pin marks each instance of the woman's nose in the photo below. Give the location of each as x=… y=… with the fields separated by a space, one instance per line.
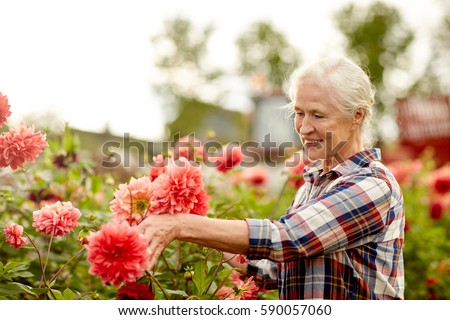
x=305 y=126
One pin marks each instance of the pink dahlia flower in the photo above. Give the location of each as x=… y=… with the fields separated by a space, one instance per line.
x=56 y=218
x=157 y=167
x=201 y=206
x=133 y=201
x=4 y=109
x=117 y=253
x=230 y=158
x=180 y=189
x=242 y=290
x=13 y=234
x=20 y=145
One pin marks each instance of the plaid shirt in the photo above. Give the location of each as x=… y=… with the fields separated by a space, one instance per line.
x=342 y=237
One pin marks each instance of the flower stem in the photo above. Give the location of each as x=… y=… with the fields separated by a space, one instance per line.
x=48 y=251
x=280 y=195
x=165 y=261
x=227 y=209
x=65 y=265
x=40 y=263
x=215 y=272
x=220 y=286
x=158 y=284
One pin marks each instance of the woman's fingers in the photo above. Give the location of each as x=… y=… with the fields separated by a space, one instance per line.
x=159 y=231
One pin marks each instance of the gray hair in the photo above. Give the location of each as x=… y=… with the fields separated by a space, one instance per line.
x=347 y=85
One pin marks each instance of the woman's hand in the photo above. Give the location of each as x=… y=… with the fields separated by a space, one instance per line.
x=224 y=235
x=160 y=230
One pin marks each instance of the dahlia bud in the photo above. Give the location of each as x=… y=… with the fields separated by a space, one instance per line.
x=188 y=275
x=83 y=237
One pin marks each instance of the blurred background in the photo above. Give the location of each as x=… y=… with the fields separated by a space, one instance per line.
x=142 y=73
x=152 y=69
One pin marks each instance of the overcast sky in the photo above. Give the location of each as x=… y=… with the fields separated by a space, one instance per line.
x=90 y=62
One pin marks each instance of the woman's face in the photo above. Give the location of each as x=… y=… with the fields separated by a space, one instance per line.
x=325 y=131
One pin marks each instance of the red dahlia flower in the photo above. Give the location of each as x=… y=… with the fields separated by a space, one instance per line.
x=135 y=291
x=440 y=180
x=436 y=211
x=295 y=165
x=255 y=176
x=230 y=158
x=117 y=253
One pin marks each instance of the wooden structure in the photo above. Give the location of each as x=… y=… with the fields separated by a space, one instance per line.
x=424 y=122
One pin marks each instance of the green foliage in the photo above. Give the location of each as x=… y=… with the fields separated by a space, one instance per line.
x=181 y=51
x=427 y=239
x=58 y=174
x=9 y=288
x=378 y=38
x=265 y=52
x=185 y=270
x=435 y=79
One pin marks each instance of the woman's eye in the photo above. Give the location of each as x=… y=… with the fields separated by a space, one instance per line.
x=318 y=116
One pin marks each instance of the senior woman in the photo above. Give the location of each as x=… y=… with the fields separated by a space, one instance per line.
x=342 y=236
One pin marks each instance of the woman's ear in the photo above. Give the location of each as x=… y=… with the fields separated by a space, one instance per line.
x=358 y=117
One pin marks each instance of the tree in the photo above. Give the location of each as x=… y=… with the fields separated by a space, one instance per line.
x=185 y=81
x=435 y=79
x=377 y=38
x=265 y=54
x=182 y=59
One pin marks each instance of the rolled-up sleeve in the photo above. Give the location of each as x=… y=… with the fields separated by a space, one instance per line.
x=354 y=208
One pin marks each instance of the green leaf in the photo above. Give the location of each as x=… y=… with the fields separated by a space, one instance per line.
x=212 y=271
x=22 y=274
x=15 y=267
x=199 y=277
x=68 y=294
x=38 y=291
x=96 y=184
x=14 y=288
x=6 y=276
x=56 y=293
x=177 y=292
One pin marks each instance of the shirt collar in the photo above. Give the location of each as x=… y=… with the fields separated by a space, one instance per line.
x=358 y=160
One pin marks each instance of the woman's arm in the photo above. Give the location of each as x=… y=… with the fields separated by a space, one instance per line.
x=225 y=235
x=351 y=211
